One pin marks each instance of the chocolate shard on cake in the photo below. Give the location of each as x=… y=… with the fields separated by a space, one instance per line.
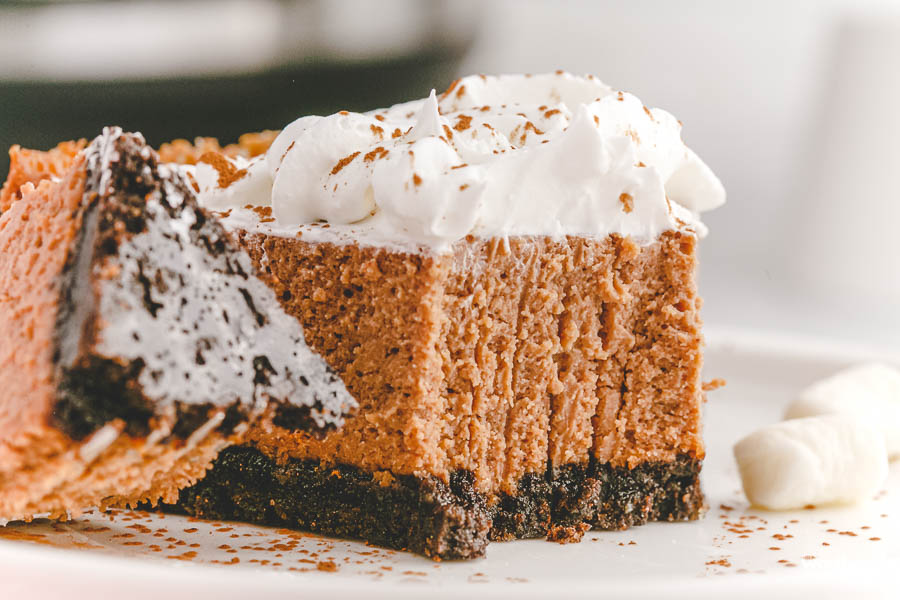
x=138 y=339
x=504 y=277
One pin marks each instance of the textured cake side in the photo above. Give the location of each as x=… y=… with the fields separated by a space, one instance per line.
x=374 y=316
x=36 y=229
x=43 y=470
x=557 y=351
x=501 y=358
x=535 y=340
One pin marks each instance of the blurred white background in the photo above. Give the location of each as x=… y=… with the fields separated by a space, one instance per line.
x=793 y=103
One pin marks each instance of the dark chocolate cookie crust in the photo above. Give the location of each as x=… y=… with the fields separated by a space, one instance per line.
x=427 y=516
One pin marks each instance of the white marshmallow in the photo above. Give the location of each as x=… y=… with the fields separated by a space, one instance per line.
x=830 y=459
x=870 y=391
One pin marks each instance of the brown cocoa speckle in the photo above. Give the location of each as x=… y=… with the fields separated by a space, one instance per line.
x=720 y=562
x=376 y=154
x=343 y=163
x=327 y=565
x=463 y=122
x=227 y=172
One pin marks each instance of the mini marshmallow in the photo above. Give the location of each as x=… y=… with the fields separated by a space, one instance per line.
x=869 y=391
x=829 y=459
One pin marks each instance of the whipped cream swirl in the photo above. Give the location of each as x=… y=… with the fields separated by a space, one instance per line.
x=510 y=155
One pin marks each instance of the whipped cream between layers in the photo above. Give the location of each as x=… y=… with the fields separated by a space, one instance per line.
x=493 y=156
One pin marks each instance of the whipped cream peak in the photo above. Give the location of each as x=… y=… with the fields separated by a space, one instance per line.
x=429 y=122
x=493 y=156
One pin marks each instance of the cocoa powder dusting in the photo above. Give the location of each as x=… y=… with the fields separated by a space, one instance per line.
x=377 y=153
x=463 y=122
x=449 y=90
x=530 y=125
x=713 y=384
x=228 y=173
x=721 y=562
x=343 y=163
x=327 y=565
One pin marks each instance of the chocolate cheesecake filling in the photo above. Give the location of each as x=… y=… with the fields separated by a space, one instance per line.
x=498 y=359
x=526 y=388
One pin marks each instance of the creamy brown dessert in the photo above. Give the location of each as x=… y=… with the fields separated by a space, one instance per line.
x=504 y=278
x=138 y=340
x=504 y=392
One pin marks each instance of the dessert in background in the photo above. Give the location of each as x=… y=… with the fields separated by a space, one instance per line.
x=504 y=277
x=137 y=339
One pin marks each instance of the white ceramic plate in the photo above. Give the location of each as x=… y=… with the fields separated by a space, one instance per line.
x=733 y=552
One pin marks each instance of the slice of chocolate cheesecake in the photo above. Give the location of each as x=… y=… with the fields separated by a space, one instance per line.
x=539 y=388
x=138 y=339
x=504 y=277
